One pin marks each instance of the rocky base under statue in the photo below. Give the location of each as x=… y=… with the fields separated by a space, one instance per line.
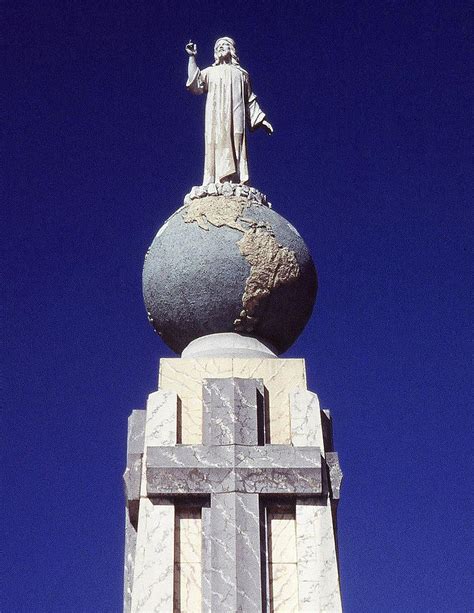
x=227 y=189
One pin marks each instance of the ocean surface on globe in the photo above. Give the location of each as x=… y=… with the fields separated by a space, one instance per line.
x=228 y=264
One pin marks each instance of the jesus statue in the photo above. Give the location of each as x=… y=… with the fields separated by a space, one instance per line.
x=230 y=108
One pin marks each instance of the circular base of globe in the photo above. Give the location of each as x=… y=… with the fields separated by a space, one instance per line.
x=225 y=264
x=228 y=345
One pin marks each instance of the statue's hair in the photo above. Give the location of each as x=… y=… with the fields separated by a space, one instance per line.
x=233 y=50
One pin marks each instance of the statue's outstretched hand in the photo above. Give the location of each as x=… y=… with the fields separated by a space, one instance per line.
x=191 y=48
x=268 y=126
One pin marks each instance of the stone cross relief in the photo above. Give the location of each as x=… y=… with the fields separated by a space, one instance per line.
x=235 y=468
x=231 y=109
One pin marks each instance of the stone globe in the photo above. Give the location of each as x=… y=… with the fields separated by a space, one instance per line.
x=228 y=263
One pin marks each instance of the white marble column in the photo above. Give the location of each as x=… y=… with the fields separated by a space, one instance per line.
x=154 y=563
x=153 y=583
x=318 y=575
x=305 y=415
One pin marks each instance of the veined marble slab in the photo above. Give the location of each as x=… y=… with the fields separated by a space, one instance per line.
x=205 y=441
x=279 y=376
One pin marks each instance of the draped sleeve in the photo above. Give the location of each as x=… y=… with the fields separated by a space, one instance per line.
x=255 y=115
x=198 y=83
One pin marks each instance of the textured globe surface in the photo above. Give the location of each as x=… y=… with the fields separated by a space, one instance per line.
x=224 y=264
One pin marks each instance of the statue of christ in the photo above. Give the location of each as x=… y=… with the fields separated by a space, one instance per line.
x=230 y=108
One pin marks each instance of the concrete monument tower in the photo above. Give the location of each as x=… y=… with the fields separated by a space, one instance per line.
x=232 y=482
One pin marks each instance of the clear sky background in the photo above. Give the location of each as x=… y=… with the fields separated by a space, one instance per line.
x=368 y=160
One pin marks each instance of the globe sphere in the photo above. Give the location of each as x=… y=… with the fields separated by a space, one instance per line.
x=226 y=265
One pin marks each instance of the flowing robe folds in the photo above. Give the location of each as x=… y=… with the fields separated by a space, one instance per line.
x=230 y=107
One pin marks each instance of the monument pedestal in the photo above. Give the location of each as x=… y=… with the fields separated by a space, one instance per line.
x=232 y=486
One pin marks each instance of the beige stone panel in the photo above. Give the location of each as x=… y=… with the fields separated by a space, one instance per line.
x=188 y=567
x=283 y=588
x=282 y=538
x=188 y=536
x=185 y=376
x=154 y=561
x=191 y=425
x=188 y=588
x=280 y=377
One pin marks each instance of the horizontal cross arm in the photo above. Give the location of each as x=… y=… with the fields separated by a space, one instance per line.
x=269 y=469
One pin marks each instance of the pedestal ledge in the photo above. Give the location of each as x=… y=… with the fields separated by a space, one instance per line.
x=228 y=345
x=228 y=190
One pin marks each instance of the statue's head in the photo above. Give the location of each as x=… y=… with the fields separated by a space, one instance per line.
x=224 y=50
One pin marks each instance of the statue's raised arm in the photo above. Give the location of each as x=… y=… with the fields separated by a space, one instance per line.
x=231 y=107
x=191 y=50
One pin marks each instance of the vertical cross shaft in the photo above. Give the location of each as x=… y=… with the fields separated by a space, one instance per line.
x=233 y=411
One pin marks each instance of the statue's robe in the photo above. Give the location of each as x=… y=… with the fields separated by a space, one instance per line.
x=230 y=108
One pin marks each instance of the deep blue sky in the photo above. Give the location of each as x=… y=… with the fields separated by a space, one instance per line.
x=368 y=160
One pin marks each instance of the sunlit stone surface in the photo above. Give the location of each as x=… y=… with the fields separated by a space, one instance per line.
x=185 y=377
x=282 y=559
x=187 y=559
x=231 y=107
x=232 y=482
x=236 y=499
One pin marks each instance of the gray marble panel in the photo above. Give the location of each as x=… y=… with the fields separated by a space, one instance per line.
x=235 y=553
x=190 y=456
x=301 y=481
x=241 y=456
x=129 y=562
x=132 y=480
x=281 y=456
x=135 y=449
x=270 y=469
x=133 y=472
x=179 y=481
x=326 y=423
x=206 y=559
x=231 y=411
x=335 y=473
x=136 y=432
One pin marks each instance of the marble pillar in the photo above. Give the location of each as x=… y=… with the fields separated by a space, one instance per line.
x=232 y=486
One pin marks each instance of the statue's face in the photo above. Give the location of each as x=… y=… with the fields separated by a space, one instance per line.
x=223 y=50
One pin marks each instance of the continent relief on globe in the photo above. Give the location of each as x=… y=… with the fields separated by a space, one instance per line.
x=271 y=264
